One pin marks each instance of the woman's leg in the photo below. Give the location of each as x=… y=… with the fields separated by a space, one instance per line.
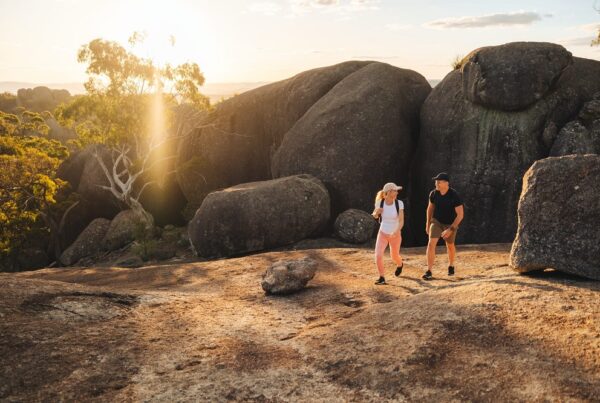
x=380 y=245
x=395 y=242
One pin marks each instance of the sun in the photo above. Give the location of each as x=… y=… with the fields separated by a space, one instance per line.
x=159 y=24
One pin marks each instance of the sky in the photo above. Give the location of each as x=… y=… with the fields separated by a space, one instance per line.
x=270 y=40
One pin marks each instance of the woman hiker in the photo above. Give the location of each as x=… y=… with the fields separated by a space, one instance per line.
x=390 y=212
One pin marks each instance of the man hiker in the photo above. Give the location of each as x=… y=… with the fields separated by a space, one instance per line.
x=444 y=214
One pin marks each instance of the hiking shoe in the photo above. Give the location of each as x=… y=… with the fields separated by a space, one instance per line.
x=398 y=270
x=380 y=281
x=451 y=270
x=427 y=275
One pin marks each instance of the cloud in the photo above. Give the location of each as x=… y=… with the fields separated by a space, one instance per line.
x=265 y=7
x=580 y=41
x=593 y=27
x=359 y=5
x=504 y=19
x=304 y=6
x=591 y=33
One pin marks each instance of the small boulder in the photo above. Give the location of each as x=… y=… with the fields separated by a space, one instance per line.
x=573 y=138
x=354 y=226
x=87 y=243
x=288 y=276
x=123 y=230
x=590 y=111
x=559 y=212
x=130 y=261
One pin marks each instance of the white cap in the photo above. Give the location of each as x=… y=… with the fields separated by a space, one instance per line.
x=391 y=186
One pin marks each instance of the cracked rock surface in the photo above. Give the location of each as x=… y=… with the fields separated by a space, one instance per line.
x=206 y=331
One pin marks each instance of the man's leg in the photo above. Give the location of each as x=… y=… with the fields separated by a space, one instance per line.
x=451 y=247
x=430 y=257
x=431 y=252
x=435 y=231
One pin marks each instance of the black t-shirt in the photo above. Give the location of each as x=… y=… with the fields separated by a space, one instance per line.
x=445 y=205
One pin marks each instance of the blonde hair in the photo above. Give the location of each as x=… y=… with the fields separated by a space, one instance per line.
x=380 y=196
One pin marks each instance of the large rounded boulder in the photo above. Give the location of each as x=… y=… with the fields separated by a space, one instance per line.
x=487 y=146
x=358 y=136
x=513 y=76
x=559 y=213
x=236 y=142
x=259 y=215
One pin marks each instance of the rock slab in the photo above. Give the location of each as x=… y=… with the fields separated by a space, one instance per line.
x=559 y=216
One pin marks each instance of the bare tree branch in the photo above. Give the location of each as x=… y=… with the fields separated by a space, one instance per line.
x=144 y=188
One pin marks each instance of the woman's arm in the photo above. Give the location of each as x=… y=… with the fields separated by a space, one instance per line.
x=401 y=219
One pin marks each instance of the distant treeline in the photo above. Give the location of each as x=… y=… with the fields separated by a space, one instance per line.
x=38 y=99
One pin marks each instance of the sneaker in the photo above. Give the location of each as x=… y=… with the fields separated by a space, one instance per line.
x=427 y=275
x=380 y=281
x=451 y=270
x=399 y=270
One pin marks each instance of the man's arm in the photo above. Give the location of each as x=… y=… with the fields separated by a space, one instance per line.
x=429 y=216
x=459 y=216
x=460 y=213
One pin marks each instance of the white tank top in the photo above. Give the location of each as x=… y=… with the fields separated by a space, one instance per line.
x=389 y=217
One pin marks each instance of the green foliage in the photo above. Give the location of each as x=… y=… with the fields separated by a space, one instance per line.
x=114 y=71
x=121 y=88
x=23 y=123
x=28 y=182
x=110 y=120
x=28 y=186
x=145 y=242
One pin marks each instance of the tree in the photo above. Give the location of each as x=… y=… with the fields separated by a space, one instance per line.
x=122 y=89
x=29 y=188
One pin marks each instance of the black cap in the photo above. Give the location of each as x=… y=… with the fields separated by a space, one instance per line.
x=442 y=176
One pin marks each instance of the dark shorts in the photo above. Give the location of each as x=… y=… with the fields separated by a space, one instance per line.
x=436 y=228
